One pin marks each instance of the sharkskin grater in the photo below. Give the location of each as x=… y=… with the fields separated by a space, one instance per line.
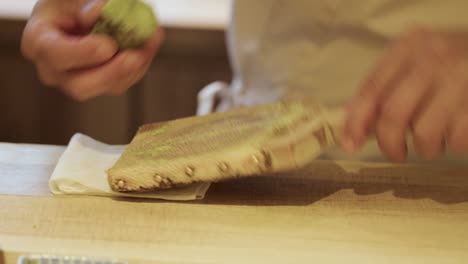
x=244 y=142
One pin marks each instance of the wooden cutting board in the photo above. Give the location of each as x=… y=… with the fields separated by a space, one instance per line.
x=327 y=213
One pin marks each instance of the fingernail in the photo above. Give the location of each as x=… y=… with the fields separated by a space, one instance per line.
x=91 y=11
x=88 y=6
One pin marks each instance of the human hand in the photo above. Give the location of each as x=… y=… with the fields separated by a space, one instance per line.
x=420 y=86
x=82 y=65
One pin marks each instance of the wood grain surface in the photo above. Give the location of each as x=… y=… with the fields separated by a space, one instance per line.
x=327 y=213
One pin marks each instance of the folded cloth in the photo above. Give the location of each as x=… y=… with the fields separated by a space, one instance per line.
x=81 y=170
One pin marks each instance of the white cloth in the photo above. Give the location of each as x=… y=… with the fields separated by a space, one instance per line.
x=81 y=170
x=321 y=48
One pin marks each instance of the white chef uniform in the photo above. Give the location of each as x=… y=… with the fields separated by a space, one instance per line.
x=320 y=48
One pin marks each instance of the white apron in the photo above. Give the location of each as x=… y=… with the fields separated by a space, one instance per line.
x=320 y=48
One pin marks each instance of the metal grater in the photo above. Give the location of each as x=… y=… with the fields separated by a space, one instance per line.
x=52 y=259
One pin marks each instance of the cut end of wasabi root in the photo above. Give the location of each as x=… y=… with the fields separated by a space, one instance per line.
x=130 y=22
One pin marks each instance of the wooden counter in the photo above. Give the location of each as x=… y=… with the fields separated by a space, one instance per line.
x=324 y=214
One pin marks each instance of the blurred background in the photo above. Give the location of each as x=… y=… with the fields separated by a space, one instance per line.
x=193 y=56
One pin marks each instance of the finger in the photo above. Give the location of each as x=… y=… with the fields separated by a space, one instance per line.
x=132 y=80
x=152 y=45
x=115 y=74
x=458 y=134
x=363 y=113
x=29 y=37
x=148 y=51
x=430 y=127
x=397 y=112
x=64 y=52
x=90 y=12
x=128 y=83
x=360 y=114
x=393 y=64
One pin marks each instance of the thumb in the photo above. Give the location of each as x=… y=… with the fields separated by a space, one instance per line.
x=90 y=12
